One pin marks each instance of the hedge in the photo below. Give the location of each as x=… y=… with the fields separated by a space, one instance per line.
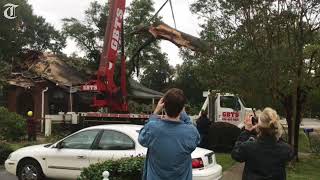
x=121 y=169
x=12 y=125
x=5 y=150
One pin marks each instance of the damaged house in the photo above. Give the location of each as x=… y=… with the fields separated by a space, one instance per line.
x=46 y=84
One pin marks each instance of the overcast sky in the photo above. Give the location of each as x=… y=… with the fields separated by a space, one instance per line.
x=55 y=10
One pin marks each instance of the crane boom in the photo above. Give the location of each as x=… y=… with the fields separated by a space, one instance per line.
x=109 y=95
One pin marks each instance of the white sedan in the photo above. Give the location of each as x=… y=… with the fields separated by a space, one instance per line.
x=66 y=158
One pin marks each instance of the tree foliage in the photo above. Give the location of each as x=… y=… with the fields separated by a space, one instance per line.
x=158 y=74
x=26 y=31
x=89 y=36
x=264 y=48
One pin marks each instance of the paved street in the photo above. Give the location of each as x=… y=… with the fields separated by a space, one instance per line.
x=310 y=123
x=306 y=123
x=6 y=176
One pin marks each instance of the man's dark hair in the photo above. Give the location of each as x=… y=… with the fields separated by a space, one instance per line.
x=174 y=101
x=204 y=113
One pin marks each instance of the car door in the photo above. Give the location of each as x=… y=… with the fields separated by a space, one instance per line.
x=71 y=157
x=112 y=145
x=229 y=109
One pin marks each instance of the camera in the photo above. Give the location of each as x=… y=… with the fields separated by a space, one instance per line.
x=254 y=118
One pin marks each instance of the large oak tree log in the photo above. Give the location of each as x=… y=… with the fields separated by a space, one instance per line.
x=180 y=39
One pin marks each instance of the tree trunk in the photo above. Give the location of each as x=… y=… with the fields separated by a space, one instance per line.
x=179 y=38
x=287 y=103
x=301 y=97
x=289 y=120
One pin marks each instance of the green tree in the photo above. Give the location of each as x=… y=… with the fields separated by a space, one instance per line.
x=188 y=80
x=26 y=31
x=158 y=74
x=266 y=44
x=139 y=13
x=89 y=36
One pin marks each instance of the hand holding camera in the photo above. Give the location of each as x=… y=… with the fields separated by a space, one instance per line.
x=250 y=122
x=159 y=107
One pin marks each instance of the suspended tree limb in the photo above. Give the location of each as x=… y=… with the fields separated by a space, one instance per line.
x=165 y=32
x=180 y=39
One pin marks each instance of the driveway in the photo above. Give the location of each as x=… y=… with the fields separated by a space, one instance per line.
x=234 y=173
x=6 y=176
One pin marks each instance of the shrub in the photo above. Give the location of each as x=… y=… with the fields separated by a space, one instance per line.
x=12 y=125
x=122 y=169
x=315 y=142
x=5 y=150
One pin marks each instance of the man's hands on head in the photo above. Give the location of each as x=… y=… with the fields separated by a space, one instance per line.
x=159 y=107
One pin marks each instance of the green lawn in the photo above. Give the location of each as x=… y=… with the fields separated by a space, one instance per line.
x=306 y=169
x=225 y=160
x=304 y=145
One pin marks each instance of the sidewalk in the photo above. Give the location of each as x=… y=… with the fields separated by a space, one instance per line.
x=234 y=173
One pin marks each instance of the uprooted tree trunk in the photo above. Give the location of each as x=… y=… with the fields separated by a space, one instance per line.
x=163 y=31
x=180 y=39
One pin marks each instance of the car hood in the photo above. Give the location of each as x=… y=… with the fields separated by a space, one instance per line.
x=35 y=150
x=200 y=152
x=32 y=148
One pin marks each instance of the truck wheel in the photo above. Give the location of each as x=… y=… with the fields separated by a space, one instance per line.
x=30 y=170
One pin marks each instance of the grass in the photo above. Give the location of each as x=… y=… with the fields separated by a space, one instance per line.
x=306 y=169
x=225 y=160
x=304 y=145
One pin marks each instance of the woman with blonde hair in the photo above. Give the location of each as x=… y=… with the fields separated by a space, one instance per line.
x=265 y=155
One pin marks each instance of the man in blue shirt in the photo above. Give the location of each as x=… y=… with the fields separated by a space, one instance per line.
x=170 y=140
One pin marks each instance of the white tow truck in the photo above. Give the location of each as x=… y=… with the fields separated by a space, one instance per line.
x=226 y=112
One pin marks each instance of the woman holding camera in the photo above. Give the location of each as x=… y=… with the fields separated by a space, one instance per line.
x=265 y=156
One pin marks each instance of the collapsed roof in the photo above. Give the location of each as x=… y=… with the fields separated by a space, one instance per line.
x=40 y=67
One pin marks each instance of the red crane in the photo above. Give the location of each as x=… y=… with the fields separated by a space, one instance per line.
x=108 y=94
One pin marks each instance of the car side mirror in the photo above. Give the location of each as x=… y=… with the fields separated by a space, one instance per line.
x=60 y=145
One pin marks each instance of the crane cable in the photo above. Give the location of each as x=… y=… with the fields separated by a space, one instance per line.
x=174 y=19
x=156 y=14
x=172 y=12
x=135 y=63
